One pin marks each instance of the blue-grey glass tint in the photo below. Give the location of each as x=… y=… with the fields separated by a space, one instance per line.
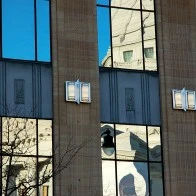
x=103 y=2
x=104 y=48
x=43 y=31
x=156 y=179
x=18 y=29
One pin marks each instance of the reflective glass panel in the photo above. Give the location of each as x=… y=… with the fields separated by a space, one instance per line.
x=43 y=31
x=156 y=179
x=149 y=41
x=22 y=174
x=18 y=29
x=19 y=136
x=154 y=143
x=126 y=3
x=131 y=142
x=132 y=178
x=45 y=176
x=107 y=141
x=45 y=137
x=103 y=22
x=103 y=2
x=109 y=178
x=126 y=36
x=148 y=4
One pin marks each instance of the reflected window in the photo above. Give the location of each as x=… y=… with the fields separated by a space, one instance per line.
x=127 y=55
x=149 y=52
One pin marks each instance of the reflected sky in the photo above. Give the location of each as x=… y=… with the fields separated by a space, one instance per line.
x=103 y=23
x=18 y=30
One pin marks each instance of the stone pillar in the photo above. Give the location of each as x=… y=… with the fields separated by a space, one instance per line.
x=176 y=28
x=74 y=56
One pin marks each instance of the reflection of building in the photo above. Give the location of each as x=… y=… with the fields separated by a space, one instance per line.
x=133 y=37
x=134 y=92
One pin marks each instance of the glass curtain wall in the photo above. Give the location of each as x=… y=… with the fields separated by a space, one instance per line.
x=26 y=156
x=131 y=152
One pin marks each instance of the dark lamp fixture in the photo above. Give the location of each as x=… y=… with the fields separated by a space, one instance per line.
x=108 y=144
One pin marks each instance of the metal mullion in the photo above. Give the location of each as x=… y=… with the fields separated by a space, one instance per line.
x=142 y=34
x=156 y=45
x=111 y=40
x=161 y=135
x=162 y=165
x=148 y=161
x=37 y=158
x=115 y=161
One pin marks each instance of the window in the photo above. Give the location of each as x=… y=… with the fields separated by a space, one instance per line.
x=149 y=52
x=26 y=30
x=127 y=55
x=27 y=155
x=124 y=27
x=134 y=166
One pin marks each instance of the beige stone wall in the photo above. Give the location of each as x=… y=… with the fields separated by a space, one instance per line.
x=74 y=56
x=176 y=23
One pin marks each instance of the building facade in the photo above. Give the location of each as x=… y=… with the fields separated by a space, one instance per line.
x=133 y=53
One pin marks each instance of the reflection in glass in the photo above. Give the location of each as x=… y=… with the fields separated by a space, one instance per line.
x=126 y=3
x=154 y=143
x=132 y=178
x=109 y=178
x=104 y=49
x=148 y=4
x=156 y=179
x=18 y=29
x=18 y=172
x=126 y=36
x=131 y=142
x=103 y=2
x=45 y=176
x=43 y=30
x=45 y=137
x=19 y=136
x=104 y=129
x=149 y=41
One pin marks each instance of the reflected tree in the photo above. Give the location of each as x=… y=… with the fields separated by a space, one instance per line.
x=27 y=166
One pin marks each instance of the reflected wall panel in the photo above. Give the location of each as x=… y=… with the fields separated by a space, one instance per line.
x=26 y=90
x=129 y=97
